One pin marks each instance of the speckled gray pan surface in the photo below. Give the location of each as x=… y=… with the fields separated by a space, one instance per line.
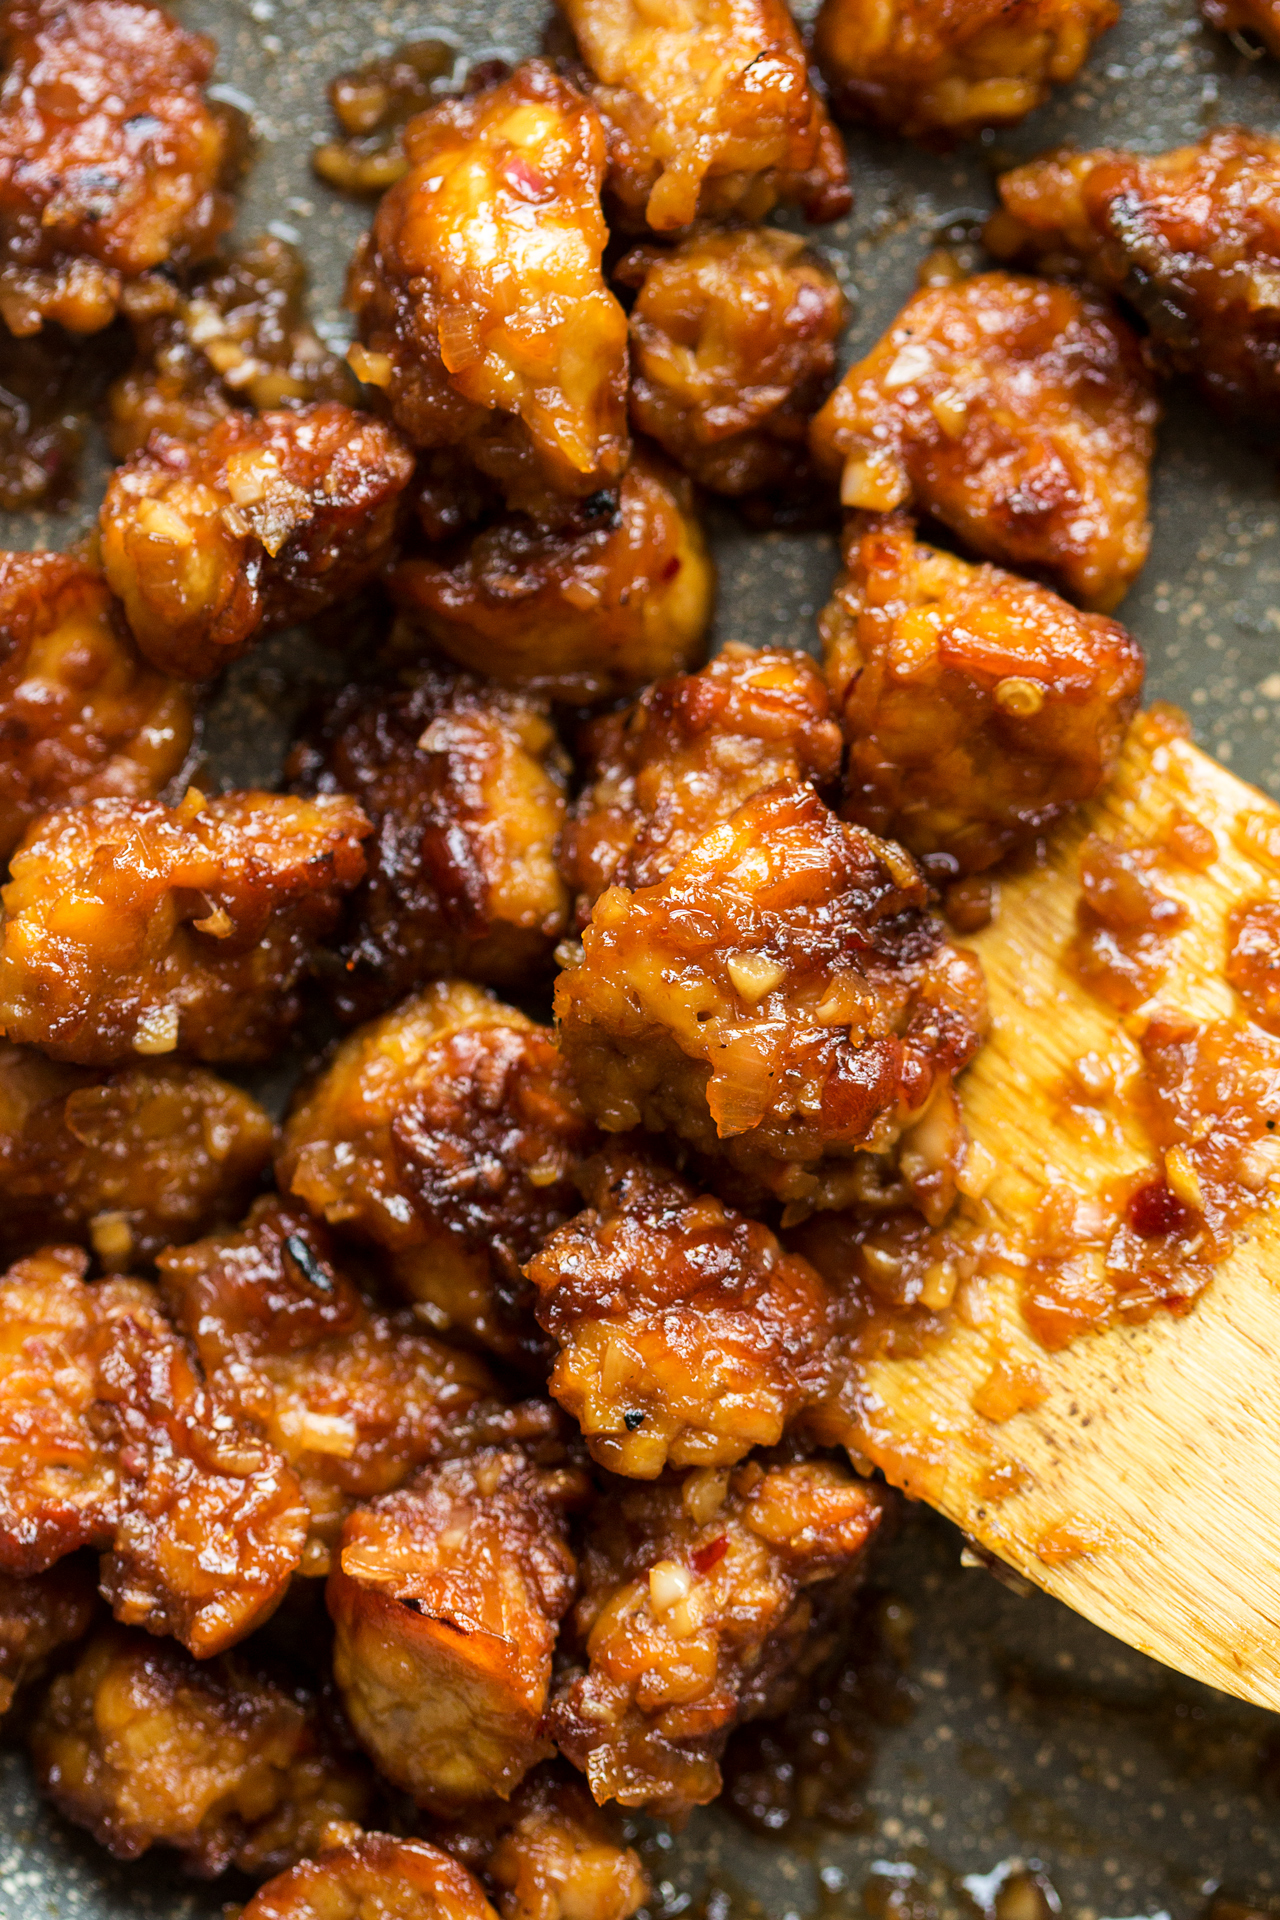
x=1033 y=1735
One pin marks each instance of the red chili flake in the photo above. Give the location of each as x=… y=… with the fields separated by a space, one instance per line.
x=704 y=1558
x=672 y=567
x=1156 y=1210
x=526 y=180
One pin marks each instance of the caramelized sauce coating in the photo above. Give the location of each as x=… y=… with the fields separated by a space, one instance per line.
x=1258 y=19
x=39 y=1614
x=1125 y=922
x=557 y=1855
x=689 y=753
x=147 y=1747
x=710 y=111
x=109 y=1439
x=480 y=300
x=134 y=928
x=465 y=785
x=353 y=1398
x=50 y=388
x=1019 y=414
x=579 y=615
x=269 y=520
x=1191 y=238
x=377 y=1878
x=979 y=708
x=702 y=1605
x=733 y=347
x=81 y=715
x=446 y=1601
x=446 y=1132
x=942 y=73
x=781 y=1000
x=1253 y=958
x=130 y=1162
x=372 y=105
x=687 y=1335
x=112 y=161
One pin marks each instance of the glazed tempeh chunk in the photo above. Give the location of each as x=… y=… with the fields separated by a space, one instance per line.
x=554 y=1855
x=688 y=753
x=480 y=300
x=819 y=1010
x=446 y=1132
x=81 y=715
x=687 y=1335
x=582 y=614
x=446 y=1601
x=147 y=1747
x=1019 y=414
x=39 y=1614
x=354 y=1399
x=269 y=520
x=979 y=708
x=137 y=928
x=702 y=1604
x=733 y=339
x=710 y=111
x=130 y=1162
x=109 y=1439
x=112 y=160
x=1191 y=238
x=465 y=784
x=376 y=1876
x=941 y=73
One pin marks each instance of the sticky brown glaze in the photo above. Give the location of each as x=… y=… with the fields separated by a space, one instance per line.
x=686 y=1334
x=941 y=73
x=1190 y=238
x=689 y=752
x=782 y=1000
x=109 y=1439
x=112 y=160
x=1125 y=922
x=40 y=1613
x=709 y=112
x=465 y=785
x=479 y=297
x=979 y=708
x=447 y=1133
x=133 y=928
x=147 y=1747
x=269 y=520
x=128 y=1162
x=1254 y=19
x=549 y=1853
x=446 y=1601
x=373 y=104
x=81 y=715
x=704 y=1601
x=353 y=1398
x=1018 y=414
x=1253 y=957
x=580 y=615
x=51 y=390
x=733 y=338
x=376 y=1878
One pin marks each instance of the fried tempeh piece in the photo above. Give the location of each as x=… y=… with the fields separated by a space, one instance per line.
x=979 y=707
x=1019 y=414
x=480 y=300
x=703 y=1604
x=135 y=928
x=446 y=1600
x=377 y=1875
x=549 y=1853
x=147 y=1747
x=81 y=715
x=39 y=1614
x=269 y=519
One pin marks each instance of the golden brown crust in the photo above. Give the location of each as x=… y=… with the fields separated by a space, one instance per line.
x=481 y=305
x=39 y=1614
x=377 y=1878
x=699 y=1607
x=579 y=615
x=979 y=708
x=269 y=519
x=941 y=70
x=137 y=928
x=689 y=753
x=1191 y=238
x=556 y=1855
x=446 y=1601
x=147 y=1747
x=465 y=785
x=819 y=1009
x=1019 y=414
x=446 y=1132
x=129 y=1162
x=82 y=717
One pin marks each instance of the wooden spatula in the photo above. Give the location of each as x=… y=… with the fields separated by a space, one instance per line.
x=1140 y=1479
